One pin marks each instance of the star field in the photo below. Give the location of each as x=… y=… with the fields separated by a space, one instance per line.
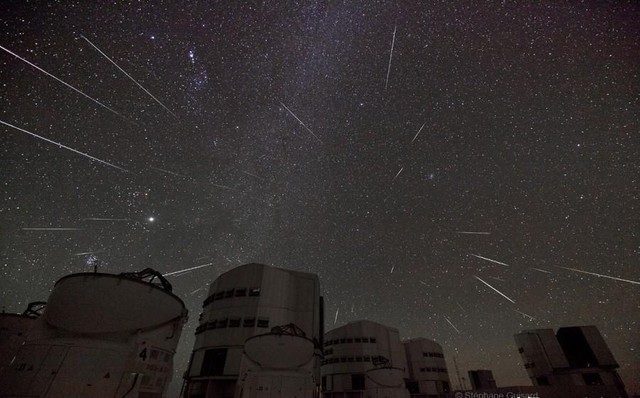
x=393 y=148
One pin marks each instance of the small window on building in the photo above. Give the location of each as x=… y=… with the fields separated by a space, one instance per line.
x=357 y=382
x=154 y=354
x=542 y=381
x=520 y=350
x=263 y=322
x=445 y=387
x=219 y=296
x=222 y=323
x=592 y=379
x=249 y=322
x=229 y=293
x=365 y=339
x=358 y=340
x=349 y=341
x=241 y=292
x=350 y=359
x=342 y=341
x=213 y=362
x=367 y=358
x=234 y=322
x=358 y=359
x=211 y=325
x=412 y=386
x=343 y=359
x=324 y=383
x=372 y=339
x=254 y=291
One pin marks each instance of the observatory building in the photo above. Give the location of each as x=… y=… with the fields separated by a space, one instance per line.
x=427 y=368
x=574 y=356
x=260 y=332
x=363 y=359
x=101 y=335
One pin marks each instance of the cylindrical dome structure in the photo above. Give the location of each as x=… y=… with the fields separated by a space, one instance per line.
x=279 y=351
x=427 y=367
x=364 y=357
x=246 y=301
x=124 y=305
x=101 y=335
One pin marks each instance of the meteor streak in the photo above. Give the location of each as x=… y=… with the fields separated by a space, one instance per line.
x=171 y=172
x=252 y=175
x=336 y=317
x=52 y=229
x=452 y=325
x=85 y=253
x=494 y=289
x=394 y=178
x=602 y=276
x=526 y=315
x=541 y=270
x=473 y=233
x=488 y=259
x=393 y=42
x=129 y=76
x=183 y=271
x=63 y=82
x=414 y=138
x=298 y=119
x=392 y=268
x=224 y=187
x=106 y=219
x=63 y=146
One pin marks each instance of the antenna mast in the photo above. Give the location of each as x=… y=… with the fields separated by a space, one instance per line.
x=455 y=362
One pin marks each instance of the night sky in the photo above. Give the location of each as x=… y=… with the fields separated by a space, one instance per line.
x=359 y=140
